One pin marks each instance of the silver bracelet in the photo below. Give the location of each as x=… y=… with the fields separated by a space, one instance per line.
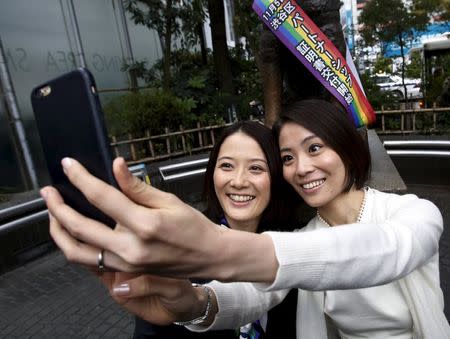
x=205 y=315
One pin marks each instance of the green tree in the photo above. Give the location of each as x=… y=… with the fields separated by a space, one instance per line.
x=150 y=109
x=379 y=99
x=414 y=68
x=184 y=20
x=171 y=19
x=436 y=10
x=193 y=19
x=386 y=21
x=383 y=65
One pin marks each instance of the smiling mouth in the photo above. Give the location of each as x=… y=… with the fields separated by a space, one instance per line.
x=313 y=184
x=241 y=198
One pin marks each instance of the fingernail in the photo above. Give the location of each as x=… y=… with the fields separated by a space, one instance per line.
x=123 y=164
x=122 y=289
x=44 y=194
x=66 y=163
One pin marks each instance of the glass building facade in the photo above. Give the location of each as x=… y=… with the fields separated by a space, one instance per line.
x=46 y=38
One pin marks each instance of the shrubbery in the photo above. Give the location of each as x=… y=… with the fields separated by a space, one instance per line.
x=194 y=96
x=150 y=109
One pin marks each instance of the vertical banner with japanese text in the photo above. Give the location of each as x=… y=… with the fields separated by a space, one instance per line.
x=317 y=53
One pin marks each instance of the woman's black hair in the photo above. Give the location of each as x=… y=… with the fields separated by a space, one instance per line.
x=276 y=213
x=332 y=124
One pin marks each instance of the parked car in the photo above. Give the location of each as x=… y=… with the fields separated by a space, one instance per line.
x=393 y=84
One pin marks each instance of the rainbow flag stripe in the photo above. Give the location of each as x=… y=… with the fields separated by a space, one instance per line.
x=319 y=55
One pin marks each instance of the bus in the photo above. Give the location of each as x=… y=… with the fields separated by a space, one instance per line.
x=435 y=67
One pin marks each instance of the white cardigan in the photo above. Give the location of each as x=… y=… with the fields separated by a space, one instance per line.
x=397 y=239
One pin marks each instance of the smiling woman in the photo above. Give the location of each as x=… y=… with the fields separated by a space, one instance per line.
x=310 y=165
x=324 y=160
x=244 y=180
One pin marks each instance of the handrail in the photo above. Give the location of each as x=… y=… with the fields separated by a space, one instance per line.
x=415 y=143
x=184 y=174
x=17 y=216
x=183 y=164
x=413 y=110
x=426 y=148
x=24 y=221
x=180 y=166
x=20 y=209
x=426 y=153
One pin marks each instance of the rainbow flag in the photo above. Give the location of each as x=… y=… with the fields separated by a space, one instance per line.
x=319 y=55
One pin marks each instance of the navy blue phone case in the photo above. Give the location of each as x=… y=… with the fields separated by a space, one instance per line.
x=71 y=124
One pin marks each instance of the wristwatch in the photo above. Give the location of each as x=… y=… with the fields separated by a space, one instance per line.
x=205 y=315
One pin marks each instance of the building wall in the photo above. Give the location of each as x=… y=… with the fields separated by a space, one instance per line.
x=39 y=40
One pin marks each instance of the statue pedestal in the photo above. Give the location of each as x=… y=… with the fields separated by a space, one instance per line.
x=384 y=174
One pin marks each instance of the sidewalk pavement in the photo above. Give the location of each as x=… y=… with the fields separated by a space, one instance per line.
x=50 y=298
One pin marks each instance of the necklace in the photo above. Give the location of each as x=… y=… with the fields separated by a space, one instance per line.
x=360 y=212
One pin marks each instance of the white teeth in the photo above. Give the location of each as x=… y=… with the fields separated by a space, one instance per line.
x=241 y=198
x=313 y=184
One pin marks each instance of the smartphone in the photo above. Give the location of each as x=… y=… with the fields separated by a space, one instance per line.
x=70 y=123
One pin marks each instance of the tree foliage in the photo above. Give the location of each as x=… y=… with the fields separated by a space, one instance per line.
x=386 y=21
x=222 y=77
x=150 y=109
x=194 y=96
x=390 y=21
x=379 y=99
x=436 y=10
x=383 y=65
x=171 y=19
x=414 y=68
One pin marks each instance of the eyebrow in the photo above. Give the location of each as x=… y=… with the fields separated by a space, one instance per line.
x=309 y=137
x=252 y=159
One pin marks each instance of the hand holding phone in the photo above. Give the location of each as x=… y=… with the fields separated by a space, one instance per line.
x=71 y=124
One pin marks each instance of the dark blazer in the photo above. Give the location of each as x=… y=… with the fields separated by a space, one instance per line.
x=282 y=319
x=281 y=324
x=146 y=330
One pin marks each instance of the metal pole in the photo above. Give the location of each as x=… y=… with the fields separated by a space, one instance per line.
x=20 y=138
x=125 y=30
x=126 y=34
x=76 y=30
